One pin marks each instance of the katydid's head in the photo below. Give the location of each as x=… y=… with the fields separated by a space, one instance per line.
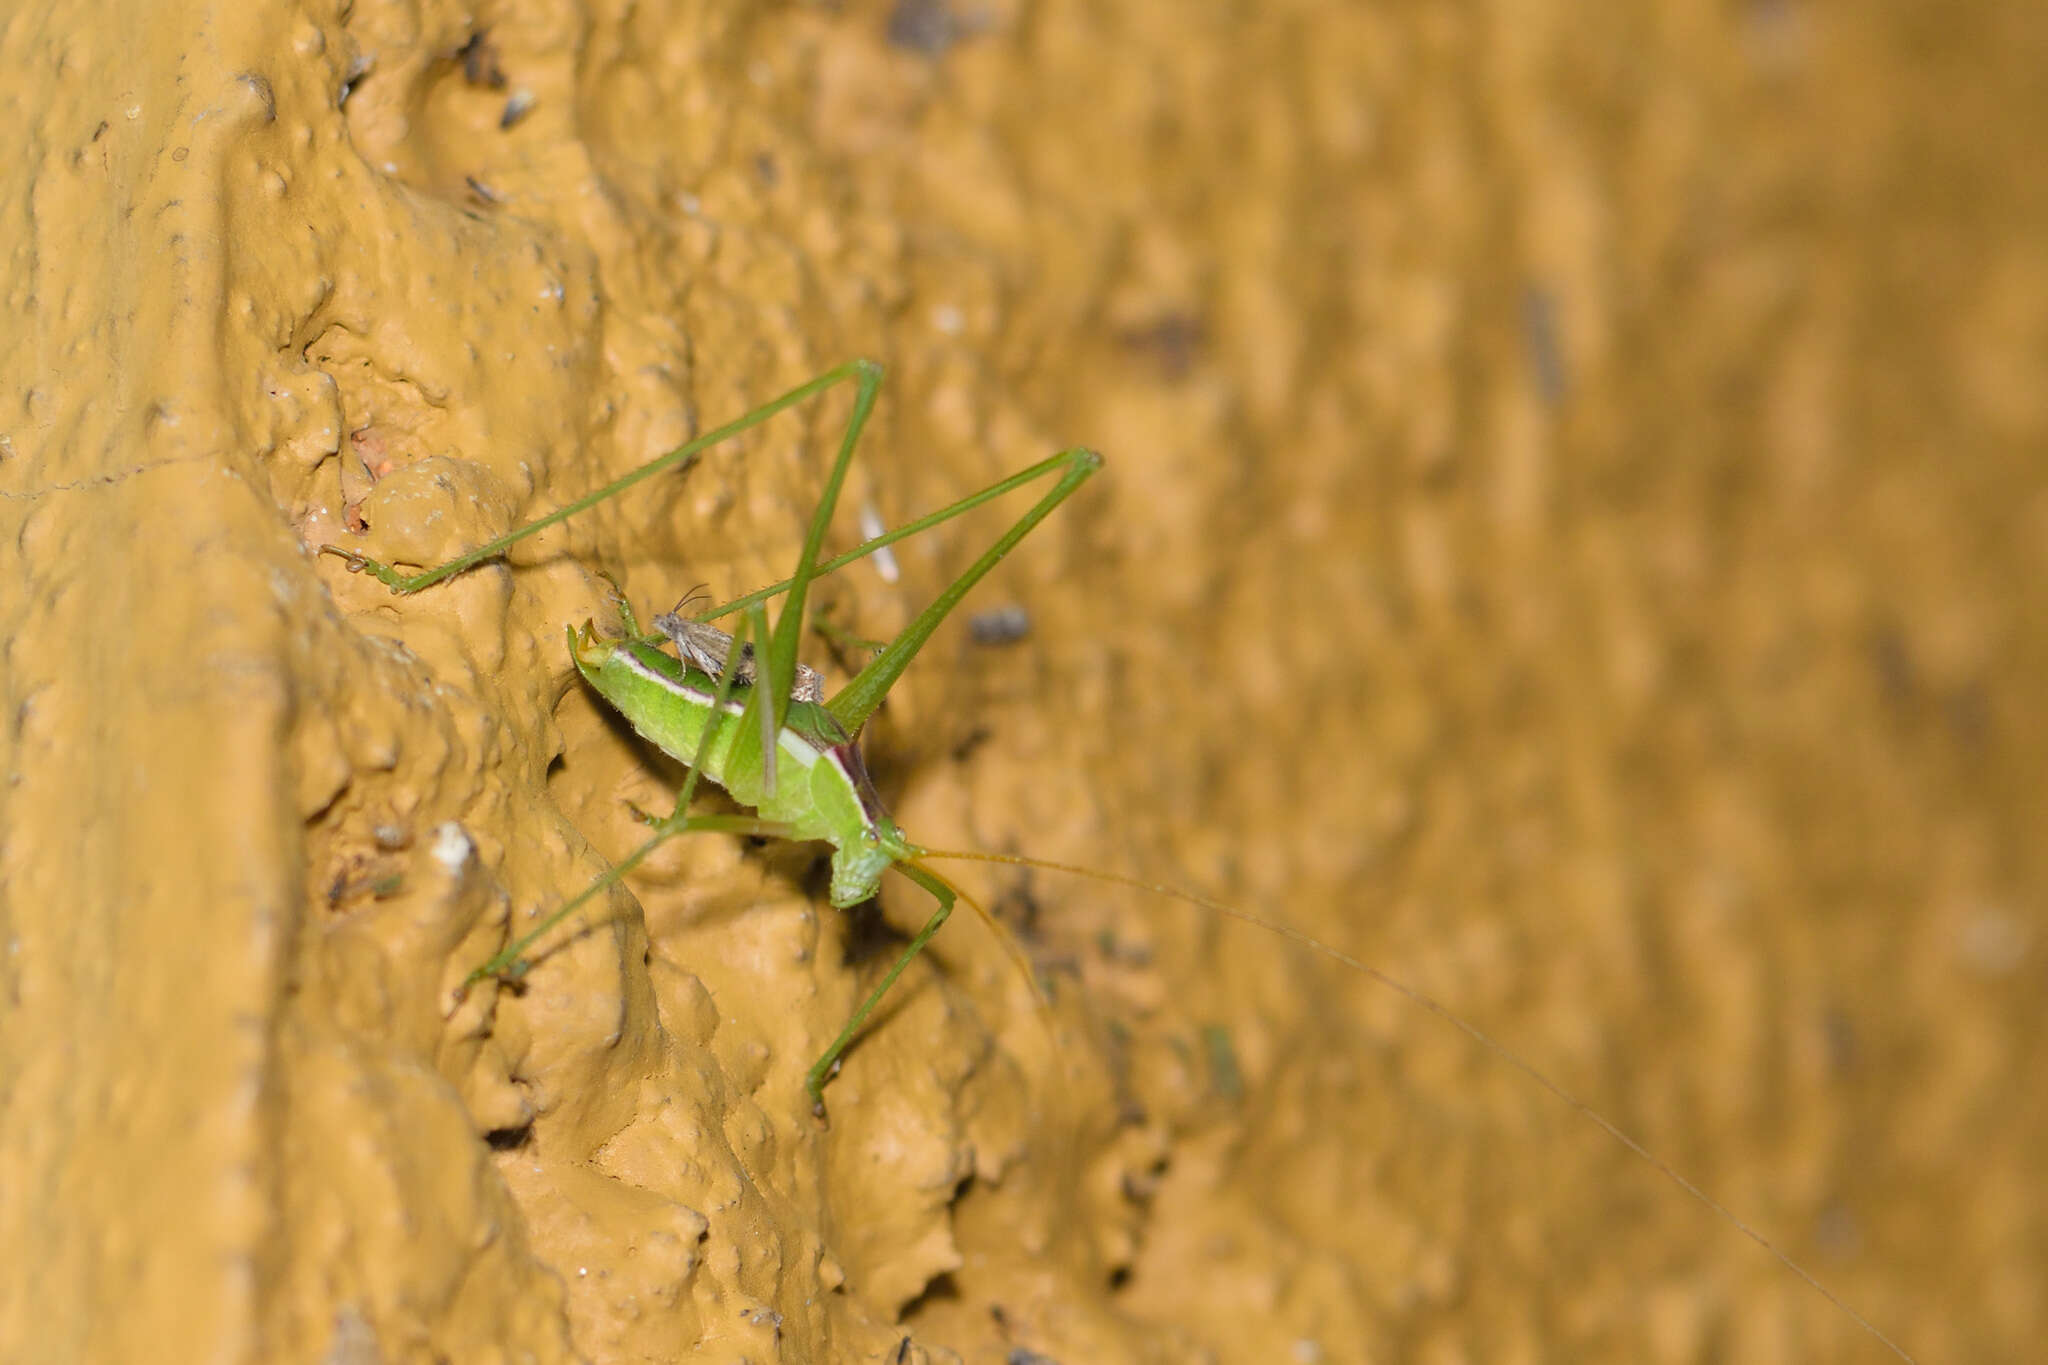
x=859 y=862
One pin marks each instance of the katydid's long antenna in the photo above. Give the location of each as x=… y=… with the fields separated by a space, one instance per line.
x=1471 y=1030
x=1010 y=945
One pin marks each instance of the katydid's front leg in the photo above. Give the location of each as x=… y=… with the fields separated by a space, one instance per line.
x=822 y=1069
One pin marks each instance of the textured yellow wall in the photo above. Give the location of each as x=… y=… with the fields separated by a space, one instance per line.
x=1573 y=537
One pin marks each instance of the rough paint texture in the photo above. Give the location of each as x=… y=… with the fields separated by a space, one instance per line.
x=1573 y=536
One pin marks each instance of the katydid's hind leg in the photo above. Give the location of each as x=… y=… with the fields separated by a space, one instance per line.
x=858 y=699
x=777 y=668
x=1077 y=464
x=822 y=1069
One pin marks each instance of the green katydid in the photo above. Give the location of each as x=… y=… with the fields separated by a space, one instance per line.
x=692 y=707
x=754 y=721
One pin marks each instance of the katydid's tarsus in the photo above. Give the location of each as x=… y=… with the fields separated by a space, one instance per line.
x=740 y=710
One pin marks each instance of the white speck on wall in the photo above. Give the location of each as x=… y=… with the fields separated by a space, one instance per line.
x=453 y=848
x=885 y=558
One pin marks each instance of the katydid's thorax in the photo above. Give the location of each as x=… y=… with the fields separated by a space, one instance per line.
x=822 y=789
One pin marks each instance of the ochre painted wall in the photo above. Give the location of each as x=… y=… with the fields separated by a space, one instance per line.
x=1572 y=537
